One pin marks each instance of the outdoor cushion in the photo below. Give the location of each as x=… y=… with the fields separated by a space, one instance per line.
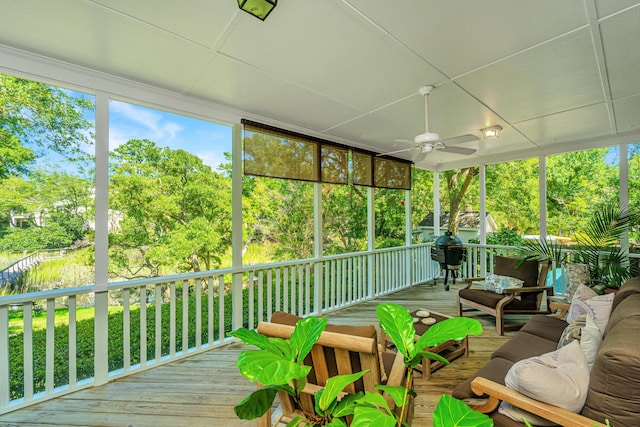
x=598 y=307
x=490 y=299
x=523 y=346
x=545 y=327
x=615 y=375
x=559 y=378
x=495 y=370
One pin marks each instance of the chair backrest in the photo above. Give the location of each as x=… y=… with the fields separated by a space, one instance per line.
x=335 y=353
x=532 y=272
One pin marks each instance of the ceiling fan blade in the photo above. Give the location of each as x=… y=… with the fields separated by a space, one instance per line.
x=420 y=156
x=460 y=139
x=397 y=151
x=459 y=150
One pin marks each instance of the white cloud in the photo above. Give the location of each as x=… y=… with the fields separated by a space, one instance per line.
x=155 y=125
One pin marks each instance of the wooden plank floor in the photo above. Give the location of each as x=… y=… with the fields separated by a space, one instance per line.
x=202 y=390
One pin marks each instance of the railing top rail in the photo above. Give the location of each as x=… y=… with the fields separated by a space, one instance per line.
x=35 y=296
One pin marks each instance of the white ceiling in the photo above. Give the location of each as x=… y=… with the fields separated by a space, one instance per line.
x=556 y=75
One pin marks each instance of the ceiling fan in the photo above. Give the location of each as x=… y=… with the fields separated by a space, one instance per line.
x=427 y=142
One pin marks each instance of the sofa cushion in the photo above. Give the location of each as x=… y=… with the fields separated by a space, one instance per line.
x=572 y=331
x=630 y=287
x=524 y=345
x=545 y=327
x=559 y=378
x=491 y=299
x=494 y=370
x=614 y=393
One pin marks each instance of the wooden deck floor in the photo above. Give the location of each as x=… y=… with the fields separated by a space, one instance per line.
x=202 y=390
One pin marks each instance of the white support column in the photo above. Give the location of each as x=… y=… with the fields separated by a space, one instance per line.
x=436 y=203
x=483 y=216
x=542 y=189
x=483 y=204
x=236 y=225
x=101 y=279
x=371 y=239
x=624 y=192
x=318 y=248
x=408 y=236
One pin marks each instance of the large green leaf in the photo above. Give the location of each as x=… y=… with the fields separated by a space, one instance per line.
x=251 y=337
x=452 y=412
x=455 y=328
x=297 y=421
x=336 y=422
x=305 y=335
x=366 y=417
x=269 y=368
x=396 y=392
x=334 y=387
x=347 y=405
x=429 y=355
x=374 y=399
x=256 y=404
x=396 y=321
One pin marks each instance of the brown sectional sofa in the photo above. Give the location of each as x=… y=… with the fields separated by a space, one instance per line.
x=614 y=383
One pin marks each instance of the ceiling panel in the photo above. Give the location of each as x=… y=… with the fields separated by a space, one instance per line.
x=557 y=76
x=381 y=134
x=122 y=47
x=202 y=21
x=326 y=48
x=570 y=125
x=267 y=96
x=620 y=35
x=460 y=36
x=608 y=7
x=627 y=112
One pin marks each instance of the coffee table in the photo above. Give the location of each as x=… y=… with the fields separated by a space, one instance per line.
x=450 y=350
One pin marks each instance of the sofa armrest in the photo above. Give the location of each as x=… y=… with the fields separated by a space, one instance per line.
x=558 y=309
x=552 y=413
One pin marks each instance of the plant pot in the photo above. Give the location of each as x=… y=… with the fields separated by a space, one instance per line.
x=577 y=274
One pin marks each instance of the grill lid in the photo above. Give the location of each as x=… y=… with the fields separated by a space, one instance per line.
x=448 y=240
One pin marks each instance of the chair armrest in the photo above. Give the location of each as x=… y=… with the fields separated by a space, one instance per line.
x=552 y=413
x=526 y=289
x=468 y=281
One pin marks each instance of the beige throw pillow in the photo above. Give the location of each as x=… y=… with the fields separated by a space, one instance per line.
x=559 y=378
x=598 y=307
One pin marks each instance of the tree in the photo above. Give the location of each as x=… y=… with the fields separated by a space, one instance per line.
x=458 y=183
x=37 y=116
x=175 y=211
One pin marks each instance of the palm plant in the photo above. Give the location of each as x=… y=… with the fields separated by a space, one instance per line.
x=598 y=246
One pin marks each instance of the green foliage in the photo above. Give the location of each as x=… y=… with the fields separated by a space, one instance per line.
x=33 y=238
x=278 y=364
x=453 y=412
x=505 y=237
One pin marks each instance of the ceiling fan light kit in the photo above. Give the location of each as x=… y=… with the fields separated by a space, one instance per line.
x=491 y=132
x=428 y=142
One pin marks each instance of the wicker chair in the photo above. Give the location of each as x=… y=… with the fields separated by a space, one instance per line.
x=525 y=300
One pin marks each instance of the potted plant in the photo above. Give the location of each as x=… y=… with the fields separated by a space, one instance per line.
x=597 y=259
x=598 y=246
x=278 y=365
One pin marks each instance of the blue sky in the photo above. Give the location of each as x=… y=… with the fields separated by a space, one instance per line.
x=207 y=140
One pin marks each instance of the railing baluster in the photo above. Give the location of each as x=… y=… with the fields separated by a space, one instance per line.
x=27 y=339
x=221 y=319
x=250 y=296
x=172 y=319
x=143 y=326
x=185 y=316
x=260 y=297
x=126 y=331
x=269 y=294
x=5 y=385
x=198 y=319
x=72 y=304
x=210 y=319
x=50 y=346
x=158 y=321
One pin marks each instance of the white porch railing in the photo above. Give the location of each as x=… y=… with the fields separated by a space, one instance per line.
x=148 y=322
x=145 y=323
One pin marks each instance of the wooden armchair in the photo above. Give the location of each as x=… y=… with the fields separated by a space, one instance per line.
x=525 y=300
x=340 y=350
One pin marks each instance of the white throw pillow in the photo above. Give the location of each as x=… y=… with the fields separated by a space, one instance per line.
x=584 y=292
x=590 y=340
x=559 y=378
x=598 y=307
x=518 y=414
